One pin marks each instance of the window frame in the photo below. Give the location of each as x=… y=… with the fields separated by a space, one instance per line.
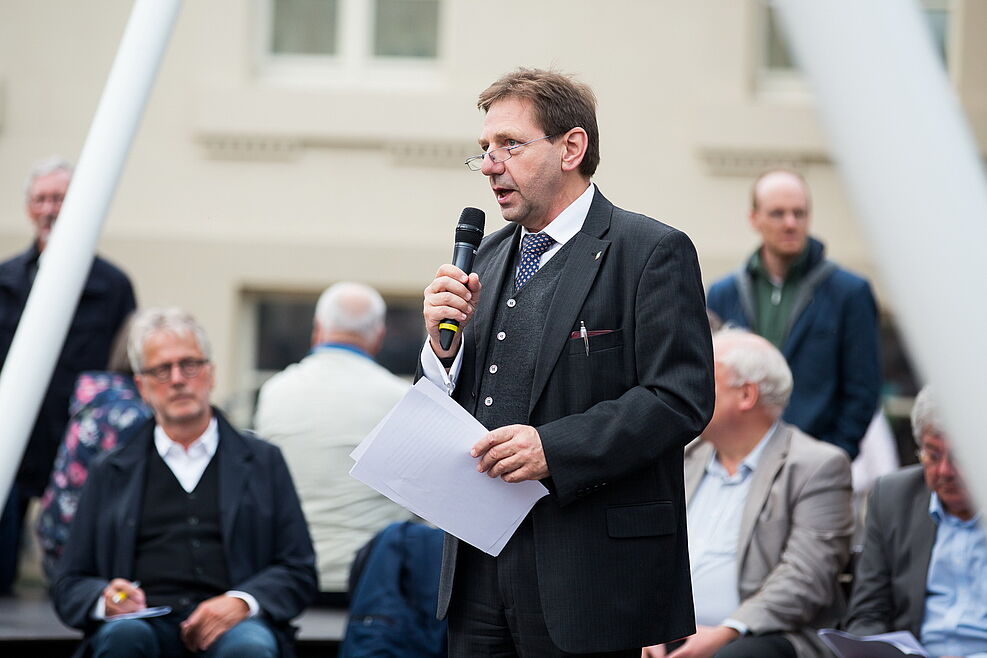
x=354 y=64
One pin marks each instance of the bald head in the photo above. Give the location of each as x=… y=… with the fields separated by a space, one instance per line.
x=775 y=179
x=780 y=213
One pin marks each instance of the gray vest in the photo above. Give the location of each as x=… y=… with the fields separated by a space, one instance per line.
x=504 y=393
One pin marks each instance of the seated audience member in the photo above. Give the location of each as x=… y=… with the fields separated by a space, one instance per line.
x=317 y=411
x=189 y=514
x=768 y=515
x=924 y=564
x=104 y=406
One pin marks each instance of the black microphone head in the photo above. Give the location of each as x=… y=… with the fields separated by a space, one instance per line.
x=470 y=226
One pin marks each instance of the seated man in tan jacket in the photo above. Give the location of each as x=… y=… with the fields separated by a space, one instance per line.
x=769 y=516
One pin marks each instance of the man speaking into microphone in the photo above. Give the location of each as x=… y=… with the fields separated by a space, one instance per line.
x=588 y=356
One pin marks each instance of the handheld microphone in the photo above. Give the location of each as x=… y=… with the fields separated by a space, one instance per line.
x=469 y=233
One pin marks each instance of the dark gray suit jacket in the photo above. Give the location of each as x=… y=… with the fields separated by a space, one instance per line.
x=890 y=581
x=610 y=540
x=265 y=538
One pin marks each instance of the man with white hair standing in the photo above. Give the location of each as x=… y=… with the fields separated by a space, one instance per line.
x=318 y=410
x=107 y=299
x=768 y=515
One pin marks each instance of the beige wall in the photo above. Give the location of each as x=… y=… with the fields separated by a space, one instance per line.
x=246 y=177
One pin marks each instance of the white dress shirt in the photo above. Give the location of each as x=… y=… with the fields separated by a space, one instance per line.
x=714 y=515
x=188 y=465
x=561 y=229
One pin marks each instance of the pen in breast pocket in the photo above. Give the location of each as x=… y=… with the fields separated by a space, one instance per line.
x=585 y=335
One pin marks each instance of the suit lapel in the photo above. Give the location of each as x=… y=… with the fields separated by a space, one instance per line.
x=494 y=275
x=234 y=473
x=925 y=538
x=587 y=252
x=771 y=461
x=130 y=474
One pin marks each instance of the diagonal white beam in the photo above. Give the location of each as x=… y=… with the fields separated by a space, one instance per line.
x=911 y=166
x=72 y=244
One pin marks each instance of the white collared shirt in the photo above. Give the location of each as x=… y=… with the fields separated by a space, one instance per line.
x=188 y=465
x=714 y=515
x=561 y=229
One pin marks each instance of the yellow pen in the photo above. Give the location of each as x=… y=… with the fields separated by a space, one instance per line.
x=121 y=596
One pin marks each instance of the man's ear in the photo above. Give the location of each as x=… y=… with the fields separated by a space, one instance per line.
x=750 y=395
x=139 y=383
x=576 y=141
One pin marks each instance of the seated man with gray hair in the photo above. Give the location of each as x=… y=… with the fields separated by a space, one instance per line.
x=924 y=564
x=318 y=410
x=190 y=515
x=769 y=515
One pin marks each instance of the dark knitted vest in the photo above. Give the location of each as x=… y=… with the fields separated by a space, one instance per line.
x=507 y=374
x=180 y=559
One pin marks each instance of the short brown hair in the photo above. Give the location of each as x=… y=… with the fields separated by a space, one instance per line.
x=561 y=103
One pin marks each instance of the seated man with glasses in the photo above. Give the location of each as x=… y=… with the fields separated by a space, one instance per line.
x=925 y=557
x=190 y=515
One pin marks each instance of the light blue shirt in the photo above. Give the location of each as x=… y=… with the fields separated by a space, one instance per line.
x=714 y=514
x=955 y=622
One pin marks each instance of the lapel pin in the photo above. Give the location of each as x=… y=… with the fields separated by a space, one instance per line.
x=597 y=257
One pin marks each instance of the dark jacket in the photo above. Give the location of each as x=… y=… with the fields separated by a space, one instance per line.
x=392 y=612
x=265 y=538
x=610 y=540
x=831 y=345
x=889 y=585
x=107 y=299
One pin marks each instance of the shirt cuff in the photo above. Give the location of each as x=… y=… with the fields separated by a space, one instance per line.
x=248 y=599
x=99 y=610
x=738 y=626
x=434 y=371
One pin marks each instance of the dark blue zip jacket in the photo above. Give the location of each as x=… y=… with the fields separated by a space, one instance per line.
x=831 y=344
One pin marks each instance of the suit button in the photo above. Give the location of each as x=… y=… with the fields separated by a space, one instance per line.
x=488 y=401
x=196 y=543
x=501 y=335
x=199 y=571
x=511 y=303
x=185 y=601
x=493 y=369
x=193 y=520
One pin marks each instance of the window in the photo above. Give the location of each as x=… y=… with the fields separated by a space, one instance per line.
x=354 y=30
x=777 y=70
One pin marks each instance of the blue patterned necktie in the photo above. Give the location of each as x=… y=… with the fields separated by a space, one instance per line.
x=533 y=245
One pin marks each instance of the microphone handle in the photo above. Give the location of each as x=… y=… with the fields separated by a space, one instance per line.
x=462 y=257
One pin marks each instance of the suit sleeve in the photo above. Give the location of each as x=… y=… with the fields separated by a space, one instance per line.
x=77 y=584
x=805 y=579
x=288 y=582
x=860 y=388
x=673 y=398
x=871 y=607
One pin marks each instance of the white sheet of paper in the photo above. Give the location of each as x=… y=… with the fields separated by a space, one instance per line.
x=143 y=613
x=418 y=456
x=884 y=645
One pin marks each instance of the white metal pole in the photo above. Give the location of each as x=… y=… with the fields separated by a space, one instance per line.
x=911 y=166
x=72 y=244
